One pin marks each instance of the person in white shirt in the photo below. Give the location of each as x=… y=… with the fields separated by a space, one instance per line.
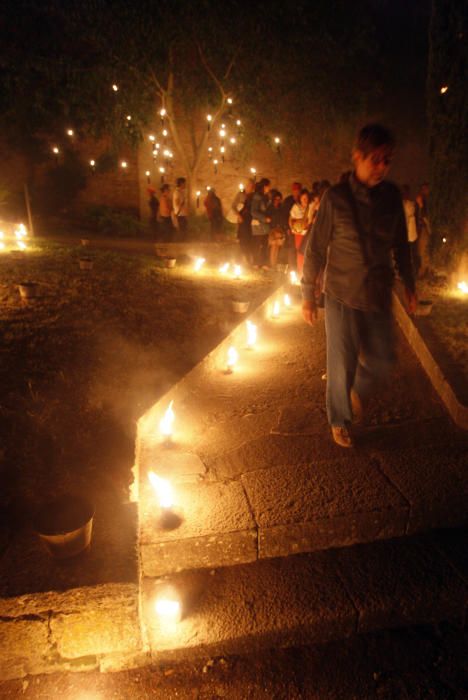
x=300 y=222
x=180 y=206
x=410 y=213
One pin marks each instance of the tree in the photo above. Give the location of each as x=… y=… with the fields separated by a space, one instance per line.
x=448 y=125
x=111 y=67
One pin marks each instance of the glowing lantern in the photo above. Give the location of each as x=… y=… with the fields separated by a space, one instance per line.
x=232 y=357
x=275 y=312
x=463 y=287
x=224 y=268
x=168 y=609
x=237 y=271
x=251 y=334
x=199 y=262
x=166 y=422
x=162 y=489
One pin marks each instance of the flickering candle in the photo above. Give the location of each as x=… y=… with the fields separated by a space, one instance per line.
x=124 y=164
x=232 y=357
x=198 y=198
x=224 y=268
x=199 y=262
x=287 y=301
x=275 y=312
x=237 y=272
x=251 y=334
x=166 y=423
x=70 y=132
x=209 y=119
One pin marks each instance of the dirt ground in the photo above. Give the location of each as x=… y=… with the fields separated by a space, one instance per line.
x=85 y=359
x=419 y=663
x=445 y=330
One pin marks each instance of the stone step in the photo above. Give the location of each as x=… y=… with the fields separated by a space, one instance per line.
x=295 y=507
x=311 y=598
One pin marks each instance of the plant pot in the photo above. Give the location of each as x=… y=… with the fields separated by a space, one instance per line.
x=424 y=307
x=65 y=525
x=169 y=262
x=240 y=306
x=86 y=264
x=85 y=242
x=28 y=290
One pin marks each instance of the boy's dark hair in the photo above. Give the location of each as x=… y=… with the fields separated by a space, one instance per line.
x=164 y=187
x=180 y=181
x=374 y=136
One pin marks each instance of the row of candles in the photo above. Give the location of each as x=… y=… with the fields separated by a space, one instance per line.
x=168 y=605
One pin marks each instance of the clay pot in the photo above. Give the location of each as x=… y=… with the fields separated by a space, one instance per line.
x=169 y=262
x=86 y=264
x=424 y=307
x=240 y=306
x=28 y=290
x=65 y=525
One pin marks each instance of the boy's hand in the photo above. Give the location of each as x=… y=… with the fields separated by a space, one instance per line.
x=309 y=312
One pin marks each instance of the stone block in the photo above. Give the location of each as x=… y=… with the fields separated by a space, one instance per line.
x=24 y=643
x=224 y=549
x=205 y=509
x=401 y=582
x=177 y=466
x=433 y=483
x=302 y=419
x=96 y=630
x=324 y=504
x=124 y=661
x=239 y=609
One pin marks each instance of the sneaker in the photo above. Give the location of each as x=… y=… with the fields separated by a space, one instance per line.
x=356 y=407
x=341 y=436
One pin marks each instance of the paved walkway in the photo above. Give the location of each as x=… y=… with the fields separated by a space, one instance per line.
x=269 y=481
x=257 y=478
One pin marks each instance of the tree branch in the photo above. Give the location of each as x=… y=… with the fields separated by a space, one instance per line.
x=210 y=71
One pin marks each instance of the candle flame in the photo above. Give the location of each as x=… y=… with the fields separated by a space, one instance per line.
x=224 y=268
x=287 y=300
x=168 y=608
x=163 y=490
x=463 y=287
x=276 y=309
x=232 y=357
x=237 y=271
x=199 y=262
x=165 y=424
x=251 y=334
x=22 y=245
x=293 y=277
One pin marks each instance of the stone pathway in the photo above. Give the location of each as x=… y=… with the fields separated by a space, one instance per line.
x=277 y=536
x=263 y=481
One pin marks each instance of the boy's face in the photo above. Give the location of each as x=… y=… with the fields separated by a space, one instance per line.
x=373 y=168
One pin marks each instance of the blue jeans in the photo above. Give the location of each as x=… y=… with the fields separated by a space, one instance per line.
x=360 y=352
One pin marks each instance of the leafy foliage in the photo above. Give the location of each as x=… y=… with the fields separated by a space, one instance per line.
x=448 y=120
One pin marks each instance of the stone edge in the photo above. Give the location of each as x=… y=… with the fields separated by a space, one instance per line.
x=457 y=410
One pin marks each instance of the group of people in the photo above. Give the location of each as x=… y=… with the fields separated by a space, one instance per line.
x=169 y=213
x=271 y=229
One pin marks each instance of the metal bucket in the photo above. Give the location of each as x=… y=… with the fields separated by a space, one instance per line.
x=28 y=290
x=65 y=525
x=86 y=264
x=240 y=307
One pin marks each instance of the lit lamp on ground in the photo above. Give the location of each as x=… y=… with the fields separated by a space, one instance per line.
x=199 y=262
x=168 y=608
x=163 y=490
x=20 y=234
x=232 y=358
x=463 y=287
x=251 y=335
x=275 y=311
x=166 y=423
x=2 y=244
x=293 y=278
x=223 y=269
x=237 y=272
x=287 y=301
